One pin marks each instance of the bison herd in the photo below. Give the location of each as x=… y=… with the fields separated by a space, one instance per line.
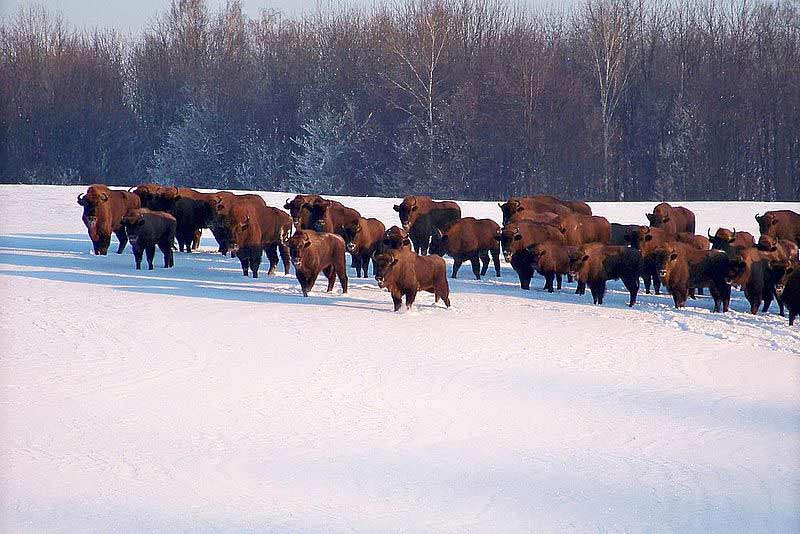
x=541 y=233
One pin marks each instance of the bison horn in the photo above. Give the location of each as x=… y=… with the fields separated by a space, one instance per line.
x=104 y=197
x=80 y=197
x=131 y=188
x=647 y=230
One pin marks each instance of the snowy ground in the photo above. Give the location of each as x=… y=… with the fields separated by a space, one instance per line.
x=194 y=399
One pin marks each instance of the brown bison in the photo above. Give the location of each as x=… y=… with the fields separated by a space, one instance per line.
x=364 y=238
x=469 y=239
x=331 y=216
x=103 y=210
x=649 y=242
x=620 y=234
x=147 y=229
x=192 y=209
x=785 y=248
x=222 y=202
x=516 y=207
x=395 y=238
x=685 y=267
x=671 y=219
x=257 y=228
x=788 y=290
x=782 y=224
x=300 y=210
x=725 y=239
x=551 y=260
x=404 y=273
x=421 y=217
x=750 y=270
x=517 y=238
x=581 y=229
x=609 y=262
x=314 y=252
x=693 y=240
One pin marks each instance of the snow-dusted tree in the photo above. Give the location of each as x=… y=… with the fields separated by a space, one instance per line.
x=331 y=157
x=194 y=150
x=675 y=156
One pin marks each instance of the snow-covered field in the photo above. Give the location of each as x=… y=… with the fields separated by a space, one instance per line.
x=194 y=399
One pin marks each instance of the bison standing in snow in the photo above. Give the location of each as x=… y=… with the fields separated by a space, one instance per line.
x=103 y=210
x=147 y=229
x=314 y=252
x=404 y=273
x=469 y=239
x=421 y=217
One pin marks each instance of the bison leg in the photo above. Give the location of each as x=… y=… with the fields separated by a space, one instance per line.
x=301 y=278
x=284 y=252
x=700 y=290
x=548 y=281
x=330 y=274
x=122 y=236
x=410 y=297
x=792 y=315
x=781 y=307
x=725 y=294
x=272 y=256
x=632 y=285
x=245 y=265
x=255 y=262
x=485 y=262
x=166 y=250
x=496 y=261
x=558 y=281
x=456 y=266
x=137 y=256
x=105 y=242
x=341 y=273
x=647 y=281
x=196 y=236
x=397 y=300
x=656 y=283
x=151 y=254
x=715 y=294
x=357 y=263
x=476 y=266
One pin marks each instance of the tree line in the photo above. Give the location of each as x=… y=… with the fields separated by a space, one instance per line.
x=472 y=99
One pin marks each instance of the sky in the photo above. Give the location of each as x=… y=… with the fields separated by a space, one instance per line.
x=134 y=15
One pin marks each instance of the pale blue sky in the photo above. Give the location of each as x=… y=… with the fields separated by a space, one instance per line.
x=133 y=15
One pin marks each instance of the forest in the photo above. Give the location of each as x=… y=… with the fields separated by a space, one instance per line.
x=464 y=99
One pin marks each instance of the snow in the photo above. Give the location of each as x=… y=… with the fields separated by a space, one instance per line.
x=194 y=399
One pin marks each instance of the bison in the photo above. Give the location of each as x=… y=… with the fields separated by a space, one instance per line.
x=395 y=238
x=788 y=290
x=300 y=210
x=672 y=219
x=404 y=273
x=147 y=229
x=620 y=234
x=364 y=238
x=725 y=239
x=781 y=224
x=469 y=239
x=516 y=207
x=581 y=229
x=103 y=210
x=516 y=240
x=421 y=217
x=551 y=260
x=610 y=262
x=314 y=252
x=192 y=209
x=331 y=216
x=750 y=270
x=257 y=228
x=685 y=267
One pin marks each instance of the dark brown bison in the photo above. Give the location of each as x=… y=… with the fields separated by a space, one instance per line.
x=404 y=273
x=331 y=216
x=364 y=238
x=750 y=271
x=147 y=229
x=685 y=268
x=725 y=239
x=517 y=238
x=146 y=193
x=551 y=260
x=192 y=209
x=103 y=210
x=469 y=239
x=780 y=253
x=222 y=202
x=610 y=262
x=395 y=238
x=788 y=290
x=649 y=242
x=255 y=229
x=517 y=207
x=785 y=248
x=421 y=217
x=620 y=234
x=671 y=219
x=581 y=229
x=314 y=252
x=300 y=210
x=783 y=224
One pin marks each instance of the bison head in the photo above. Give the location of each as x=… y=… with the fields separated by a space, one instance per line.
x=134 y=224
x=319 y=216
x=408 y=211
x=509 y=237
x=766 y=222
x=384 y=263
x=439 y=241
x=351 y=233
x=767 y=243
x=396 y=238
x=298 y=245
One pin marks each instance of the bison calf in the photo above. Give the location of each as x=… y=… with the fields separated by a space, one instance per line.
x=404 y=273
x=551 y=260
x=314 y=252
x=788 y=290
x=364 y=238
x=610 y=262
x=147 y=229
